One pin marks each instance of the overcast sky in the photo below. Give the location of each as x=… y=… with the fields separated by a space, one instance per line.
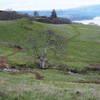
x=44 y=4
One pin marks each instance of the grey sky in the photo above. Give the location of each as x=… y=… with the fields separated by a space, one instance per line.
x=44 y=4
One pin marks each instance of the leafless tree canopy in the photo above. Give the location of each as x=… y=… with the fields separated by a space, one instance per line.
x=43 y=43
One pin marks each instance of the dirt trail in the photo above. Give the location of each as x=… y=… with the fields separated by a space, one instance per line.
x=4 y=59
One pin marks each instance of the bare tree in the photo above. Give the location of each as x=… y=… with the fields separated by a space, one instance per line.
x=43 y=43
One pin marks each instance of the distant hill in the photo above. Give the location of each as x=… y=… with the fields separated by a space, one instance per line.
x=86 y=12
x=80 y=13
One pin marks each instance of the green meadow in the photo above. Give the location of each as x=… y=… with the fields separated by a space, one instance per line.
x=55 y=86
x=81 y=50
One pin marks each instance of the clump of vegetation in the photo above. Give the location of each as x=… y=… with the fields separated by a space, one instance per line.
x=12 y=15
x=36 y=14
x=53 y=14
x=53 y=19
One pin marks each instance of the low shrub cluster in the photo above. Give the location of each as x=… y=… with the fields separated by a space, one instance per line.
x=53 y=20
x=12 y=15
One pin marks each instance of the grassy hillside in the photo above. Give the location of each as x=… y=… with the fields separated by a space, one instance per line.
x=81 y=51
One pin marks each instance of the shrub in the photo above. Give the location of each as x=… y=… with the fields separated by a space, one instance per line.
x=54 y=20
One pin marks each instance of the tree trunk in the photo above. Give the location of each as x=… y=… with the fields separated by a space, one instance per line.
x=43 y=62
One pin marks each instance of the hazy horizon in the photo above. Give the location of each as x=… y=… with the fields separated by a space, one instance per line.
x=95 y=21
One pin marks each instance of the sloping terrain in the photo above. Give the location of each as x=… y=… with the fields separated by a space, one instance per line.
x=81 y=51
x=82 y=43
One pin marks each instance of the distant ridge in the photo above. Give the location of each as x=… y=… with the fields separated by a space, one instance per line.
x=85 y=12
x=80 y=13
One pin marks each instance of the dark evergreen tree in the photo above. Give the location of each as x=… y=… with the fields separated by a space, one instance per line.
x=36 y=14
x=53 y=14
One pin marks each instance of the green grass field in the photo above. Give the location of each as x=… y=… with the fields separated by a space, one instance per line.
x=55 y=86
x=80 y=52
